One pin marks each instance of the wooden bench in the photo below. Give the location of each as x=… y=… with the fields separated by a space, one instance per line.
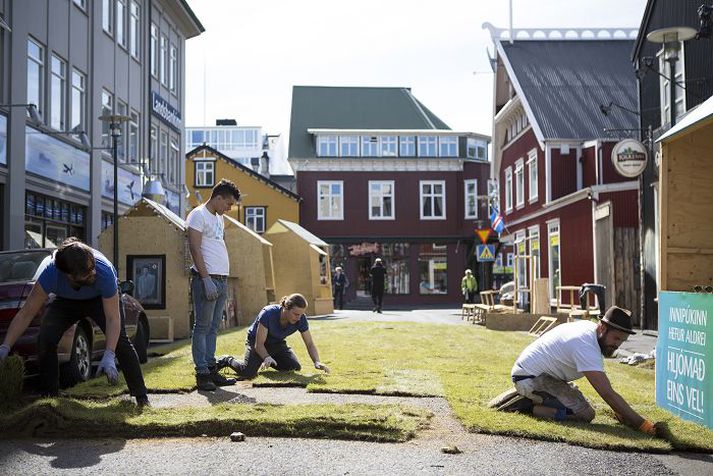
x=487 y=299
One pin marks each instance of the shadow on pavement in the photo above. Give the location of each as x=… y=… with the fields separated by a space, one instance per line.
x=64 y=458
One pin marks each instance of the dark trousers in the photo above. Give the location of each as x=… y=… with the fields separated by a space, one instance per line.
x=339 y=297
x=377 y=295
x=283 y=355
x=469 y=296
x=59 y=316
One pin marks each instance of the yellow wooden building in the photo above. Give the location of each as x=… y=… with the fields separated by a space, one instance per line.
x=153 y=253
x=252 y=281
x=301 y=263
x=263 y=201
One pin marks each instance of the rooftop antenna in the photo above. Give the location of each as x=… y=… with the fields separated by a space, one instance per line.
x=204 y=84
x=511 y=29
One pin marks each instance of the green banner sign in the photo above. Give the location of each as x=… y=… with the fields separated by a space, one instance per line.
x=683 y=353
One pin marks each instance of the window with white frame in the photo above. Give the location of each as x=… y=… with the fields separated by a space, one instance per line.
x=134 y=29
x=381 y=200
x=521 y=260
x=58 y=95
x=163 y=60
x=519 y=183
x=388 y=146
x=553 y=240
x=107 y=109
x=427 y=146
x=508 y=189
x=255 y=219
x=349 y=146
x=153 y=158
x=35 y=74
x=433 y=199
x=205 y=173
x=121 y=22
x=471 y=198
x=163 y=154
x=330 y=200
x=407 y=146
x=123 y=109
x=173 y=69
x=327 y=146
x=482 y=153
x=173 y=163
x=369 y=146
x=533 y=237
x=664 y=86
x=108 y=16
x=79 y=98
x=154 y=50
x=133 y=154
x=448 y=147
x=532 y=175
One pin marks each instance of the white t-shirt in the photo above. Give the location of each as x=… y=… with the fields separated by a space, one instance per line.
x=211 y=226
x=564 y=353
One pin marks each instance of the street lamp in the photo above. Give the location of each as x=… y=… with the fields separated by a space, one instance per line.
x=115 y=122
x=670 y=37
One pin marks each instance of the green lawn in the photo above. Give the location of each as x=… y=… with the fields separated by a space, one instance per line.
x=468 y=365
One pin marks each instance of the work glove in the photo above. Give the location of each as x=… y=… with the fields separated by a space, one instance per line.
x=108 y=367
x=211 y=292
x=4 y=351
x=320 y=366
x=267 y=363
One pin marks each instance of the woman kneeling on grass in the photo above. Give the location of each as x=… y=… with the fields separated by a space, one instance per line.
x=266 y=346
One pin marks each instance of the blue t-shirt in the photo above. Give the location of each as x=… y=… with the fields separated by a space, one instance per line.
x=54 y=281
x=269 y=317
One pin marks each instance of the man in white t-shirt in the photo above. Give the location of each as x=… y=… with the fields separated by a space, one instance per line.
x=543 y=372
x=209 y=279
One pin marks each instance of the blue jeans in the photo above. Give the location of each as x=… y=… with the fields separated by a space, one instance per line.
x=207 y=320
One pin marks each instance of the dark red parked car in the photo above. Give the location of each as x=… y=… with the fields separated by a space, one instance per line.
x=82 y=345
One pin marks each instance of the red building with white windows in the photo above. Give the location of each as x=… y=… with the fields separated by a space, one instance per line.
x=561 y=104
x=381 y=176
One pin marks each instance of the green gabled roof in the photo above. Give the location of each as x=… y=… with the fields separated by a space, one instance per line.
x=320 y=107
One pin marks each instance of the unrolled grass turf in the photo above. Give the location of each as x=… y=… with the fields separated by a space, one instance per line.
x=468 y=365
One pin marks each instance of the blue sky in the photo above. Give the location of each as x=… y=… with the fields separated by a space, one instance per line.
x=252 y=53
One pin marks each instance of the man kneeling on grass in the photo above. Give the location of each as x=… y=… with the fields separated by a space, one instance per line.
x=544 y=370
x=266 y=346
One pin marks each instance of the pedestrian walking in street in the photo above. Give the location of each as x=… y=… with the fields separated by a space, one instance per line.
x=84 y=283
x=341 y=283
x=543 y=372
x=378 y=281
x=469 y=285
x=209 y=275
x=266 y=346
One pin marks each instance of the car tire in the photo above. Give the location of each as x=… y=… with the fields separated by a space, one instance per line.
x=79 y=367
x=141 y=341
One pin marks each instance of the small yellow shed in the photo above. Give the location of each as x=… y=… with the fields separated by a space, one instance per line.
x=251 y=280
x=153 y=253
x=301 y=263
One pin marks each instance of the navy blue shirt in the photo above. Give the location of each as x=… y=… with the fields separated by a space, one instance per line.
x=269 y=317
x=54 y=281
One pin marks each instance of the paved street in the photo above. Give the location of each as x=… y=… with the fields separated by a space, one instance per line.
x=481 y=454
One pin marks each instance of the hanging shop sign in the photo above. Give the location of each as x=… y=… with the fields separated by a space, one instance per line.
x=56 y=160
x=629 y=157
x=129 y=184
x=167 y=113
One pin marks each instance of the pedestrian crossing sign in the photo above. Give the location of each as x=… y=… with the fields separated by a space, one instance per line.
x=485 y=253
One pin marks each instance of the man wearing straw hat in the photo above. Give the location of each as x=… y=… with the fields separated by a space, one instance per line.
x=543 y=372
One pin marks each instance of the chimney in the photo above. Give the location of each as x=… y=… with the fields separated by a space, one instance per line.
x=255 y=164
x=265 y=164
